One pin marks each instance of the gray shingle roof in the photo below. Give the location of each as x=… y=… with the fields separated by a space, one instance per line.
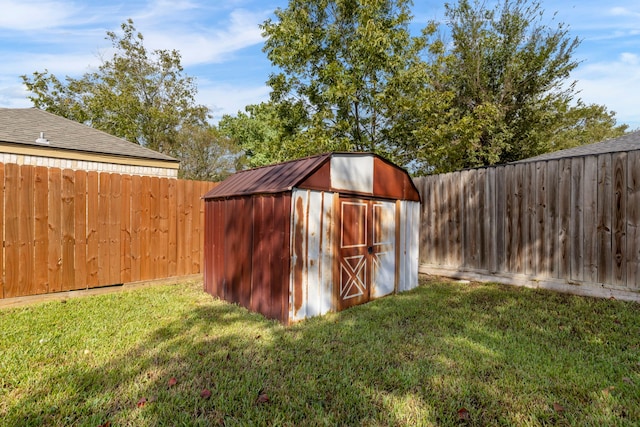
x=626 y=142
x=23 y=126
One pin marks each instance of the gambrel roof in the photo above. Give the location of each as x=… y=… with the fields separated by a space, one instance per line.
x=357 y=173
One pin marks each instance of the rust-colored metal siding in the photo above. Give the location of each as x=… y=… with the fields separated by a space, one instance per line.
x=271 y=261
x=247 y=252
x=391 y=182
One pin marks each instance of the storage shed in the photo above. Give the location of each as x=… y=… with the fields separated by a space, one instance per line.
x=305 y=237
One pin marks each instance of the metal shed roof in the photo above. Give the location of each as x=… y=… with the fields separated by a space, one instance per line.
x=268 y=179
x=342 y=172
x=627 y=142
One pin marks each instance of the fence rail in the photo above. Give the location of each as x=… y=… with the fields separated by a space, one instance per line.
x=67 y=229
x=573 y=220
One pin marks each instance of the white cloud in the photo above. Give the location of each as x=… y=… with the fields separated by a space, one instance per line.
x=35 y=15
x=229 y=99
x=623 y=11
x=206 y=45
x=614 y=84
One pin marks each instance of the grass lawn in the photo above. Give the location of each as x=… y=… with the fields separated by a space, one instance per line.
x=442 y=354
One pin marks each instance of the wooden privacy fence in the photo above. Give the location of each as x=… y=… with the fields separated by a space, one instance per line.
x=573 y=222
x=71 y=229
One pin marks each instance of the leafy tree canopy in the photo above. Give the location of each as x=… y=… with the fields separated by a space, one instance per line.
x=509 y=71
x=343 y=61
x=487 y=86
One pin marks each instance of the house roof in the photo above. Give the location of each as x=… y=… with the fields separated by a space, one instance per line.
x=268 y=179
x=24 y=125
x=626 y=142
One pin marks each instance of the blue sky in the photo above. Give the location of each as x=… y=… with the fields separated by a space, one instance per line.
x=220 y=44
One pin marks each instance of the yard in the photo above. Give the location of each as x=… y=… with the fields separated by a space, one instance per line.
x=445 y=353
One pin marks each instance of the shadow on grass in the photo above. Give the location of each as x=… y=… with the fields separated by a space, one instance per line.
x=505 y=355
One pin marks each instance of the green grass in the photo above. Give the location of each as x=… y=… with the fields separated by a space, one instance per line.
x=508 y=355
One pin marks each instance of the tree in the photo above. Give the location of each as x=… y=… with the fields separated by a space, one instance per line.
x=137 y=95
x=207 y=155
x=268 y=132
x=345 y=63
x=509 y=72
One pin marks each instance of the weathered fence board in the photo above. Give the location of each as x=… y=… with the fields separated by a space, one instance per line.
x=12 y=231
x=65 y=230
x=633 y=220
x=573 y=220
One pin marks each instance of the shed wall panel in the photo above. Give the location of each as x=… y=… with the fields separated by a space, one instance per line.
x=311 y=269
x=409 y=240
x=352 y=173
x=268 y=275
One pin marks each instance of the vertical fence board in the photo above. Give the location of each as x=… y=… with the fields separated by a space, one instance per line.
x=590 y=211
x=104 y=207
x=194 y=250
x=456 y=226
x=470 y=196
x=180 y=229
x=145 y=230
x=125 y=229
x=136 y=227
x=510 y=229
x=432 y=212
x=163 y=226
x=551 y=232
x=425 y=237
x=12 y=231
x=564 y=214
x=55 y=230
x=463 y=199
x=172 y=256
x=531 y=234
x=447 y=217
x=155 y=233
x=114 y=229
x=482 y=217
x=80 y=205
x=188 y=227
x=93 y=239
x=25 y=272
x=542 y=264
x=501 y=213
x=576 y=228
x=490 y=246
x=633 y=220
x=68 y=230
x=519 y=219
x=41 y=230
x=605 y=201
x=619 y=238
